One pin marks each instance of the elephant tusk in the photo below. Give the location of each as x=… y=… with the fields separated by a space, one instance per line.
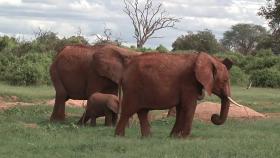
x=234 y=102
x=120 y=96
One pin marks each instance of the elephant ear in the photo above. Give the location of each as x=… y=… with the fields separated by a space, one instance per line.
x=109 y=64
x=113 y=105
x=204 y=71
x=228 y=63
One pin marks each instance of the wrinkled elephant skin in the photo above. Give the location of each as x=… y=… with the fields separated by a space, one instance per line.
x=78 y=71
x=158 y=81
x=99 y=105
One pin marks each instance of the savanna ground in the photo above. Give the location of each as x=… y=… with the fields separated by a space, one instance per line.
x=25 y=131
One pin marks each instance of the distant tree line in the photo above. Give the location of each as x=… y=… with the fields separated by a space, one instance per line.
x=242 y=38
x=251 y=47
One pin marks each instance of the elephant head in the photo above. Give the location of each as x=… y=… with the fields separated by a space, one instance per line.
x=213 y=74
x=110 y=61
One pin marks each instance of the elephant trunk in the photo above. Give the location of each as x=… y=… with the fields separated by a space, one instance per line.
x=220 y=119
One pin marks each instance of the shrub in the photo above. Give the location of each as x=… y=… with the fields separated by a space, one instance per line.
x=238 y=77
x=238 y=59
x=268 y=77
x=30 y=69
x=161 y=49
x=264 y=53
x=5 y=61
x=261 y=63
x=144 y=49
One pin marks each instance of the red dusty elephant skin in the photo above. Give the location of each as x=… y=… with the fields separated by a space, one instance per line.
x=99 y=105
x=78 y=71
x=158 y=81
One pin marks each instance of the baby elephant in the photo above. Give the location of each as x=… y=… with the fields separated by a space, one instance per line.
x=99 y=105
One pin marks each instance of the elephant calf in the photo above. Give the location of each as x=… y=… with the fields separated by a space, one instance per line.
x=99 y=105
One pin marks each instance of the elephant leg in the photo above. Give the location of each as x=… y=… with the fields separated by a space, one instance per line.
x=83 y=120
x=114 y=119
x=128 y=108
x=108 y=119
x=176 y=130
x=188 y=109
x=93 y=121
x=144 y=122
x=120 y=128
x=58 y=113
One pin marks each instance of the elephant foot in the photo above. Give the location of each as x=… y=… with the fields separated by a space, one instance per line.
x=180 y=135
x=176 y=134
x=119 y=131
x=146 y=135
x=146 y=131
x=185 y=135
x=117 y=134
x=57 y=118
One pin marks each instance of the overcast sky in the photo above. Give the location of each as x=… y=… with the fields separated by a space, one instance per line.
x=23 y=17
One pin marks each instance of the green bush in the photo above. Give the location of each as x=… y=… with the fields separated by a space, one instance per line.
x=238 y=59
x=5 y=62
x=261 y=63
x=30 y=69
x=238 y=77
x=268 y=77
x=161 y=49
x=264 y=53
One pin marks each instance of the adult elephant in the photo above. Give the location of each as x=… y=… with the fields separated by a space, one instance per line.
x=78 y=71
x=158 y=81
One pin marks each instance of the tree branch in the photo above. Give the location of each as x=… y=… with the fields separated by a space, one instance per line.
x=147 y=19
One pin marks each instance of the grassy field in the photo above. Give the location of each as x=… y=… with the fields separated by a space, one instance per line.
x=26 y=94
x=260 y=99
x=26 y=132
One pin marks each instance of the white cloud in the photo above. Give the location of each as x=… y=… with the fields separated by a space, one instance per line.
x=11 y=2
x=65 y=16
x=45 y=25
x=81 y=5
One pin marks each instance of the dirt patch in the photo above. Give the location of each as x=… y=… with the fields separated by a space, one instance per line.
x=273 y=115
x=9 y=104
x=70 y=102
x=30 y=125
x=205 y=110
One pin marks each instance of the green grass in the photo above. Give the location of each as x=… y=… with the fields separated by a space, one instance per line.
x=26 y=93
x=256 y=139
x=259 y=99
x=236 y=138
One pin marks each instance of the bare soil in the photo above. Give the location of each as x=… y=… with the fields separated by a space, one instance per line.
x=70 y=102
x=12 y=101
x=203 y=112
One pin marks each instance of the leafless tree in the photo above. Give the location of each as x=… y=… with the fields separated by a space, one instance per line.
x=107 y=37
x=79 y=32
x=107 y=34
x=147 y=19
